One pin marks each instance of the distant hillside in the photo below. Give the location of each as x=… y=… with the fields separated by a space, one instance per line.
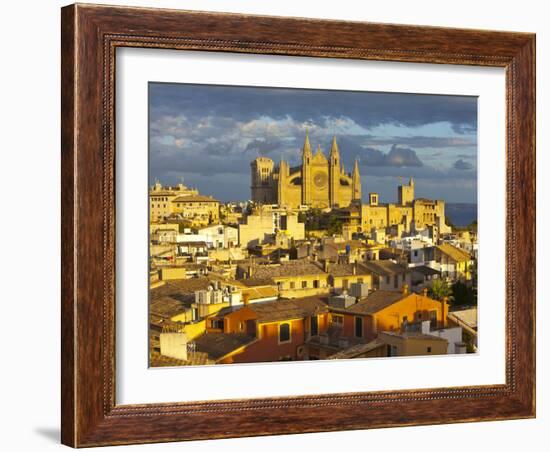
x=461 y=214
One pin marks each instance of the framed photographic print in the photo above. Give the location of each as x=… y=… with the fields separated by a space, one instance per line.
x=281 y=225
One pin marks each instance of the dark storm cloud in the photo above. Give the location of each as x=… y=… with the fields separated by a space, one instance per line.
x=397 y=157
x=422 y=141
x=264 y=146
x=368 y=109
x=461 y=164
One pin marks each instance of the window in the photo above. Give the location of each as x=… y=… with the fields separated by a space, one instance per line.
x=345 y=284
x=429 y=349
x=217 y=324
x=316 y=284
x=337 y=320
x=314 y=325
x=360 y=280
x=304 y=284
x=395 y=281
x=292 y=285
x=358 y=326
x=387 y=279
x=392 y=350
x=284 y=333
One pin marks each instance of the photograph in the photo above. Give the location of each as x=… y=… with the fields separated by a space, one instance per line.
x=292 y=224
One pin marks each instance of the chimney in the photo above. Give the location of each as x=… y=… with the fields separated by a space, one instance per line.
x=425 y=292
x=405 y=289
x=327 y=265
x=246 y=299
x=250 y=271
x=354 y=268
x=443 y=312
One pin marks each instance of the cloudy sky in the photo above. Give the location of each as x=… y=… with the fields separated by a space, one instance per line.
x=209 y=134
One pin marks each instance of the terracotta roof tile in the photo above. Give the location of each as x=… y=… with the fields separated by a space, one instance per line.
x=273 y=311
x=457 y=254
x=292 y=268
x=376 y=301
x=218 y=345
x=385 y=267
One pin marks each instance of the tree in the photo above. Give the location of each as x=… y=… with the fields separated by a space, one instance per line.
x=463 y=294
x=439 y=289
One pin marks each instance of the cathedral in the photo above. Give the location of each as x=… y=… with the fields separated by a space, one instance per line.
x=318 y=182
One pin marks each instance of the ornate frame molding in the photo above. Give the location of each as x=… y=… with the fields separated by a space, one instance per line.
x=90 y=37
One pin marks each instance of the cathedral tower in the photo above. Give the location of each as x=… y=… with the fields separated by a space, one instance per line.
x=306 y=171
x=282 y=183
x=261 y=170
x=334 y=173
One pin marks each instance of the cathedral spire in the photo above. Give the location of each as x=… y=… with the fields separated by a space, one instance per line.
x=356 y=181
x=306 y=150
x=334 y=148
x=356 y=169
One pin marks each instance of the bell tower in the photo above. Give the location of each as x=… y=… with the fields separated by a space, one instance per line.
x=405 y=193
x=261 y=170
x=334 y=173
x=306 y=171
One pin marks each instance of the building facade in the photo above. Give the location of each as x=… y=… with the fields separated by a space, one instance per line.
x=410 y=213
x=265 y=222
x=319 y=182
x=161 y=197
x=183 y=202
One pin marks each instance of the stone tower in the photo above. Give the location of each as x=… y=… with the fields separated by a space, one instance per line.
x=405 y=193
x=334 y=173
x=282 y=182
x=306 y=171
x=261 y=170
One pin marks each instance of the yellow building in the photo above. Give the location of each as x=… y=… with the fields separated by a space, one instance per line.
x=294 y=279
x=343 y=275
x=165 y=201
x=318 y=182
x=400 y=343
x=161 y=197
x=199 y=210
x=266 y=222
x=453 y=262
x=410 y=212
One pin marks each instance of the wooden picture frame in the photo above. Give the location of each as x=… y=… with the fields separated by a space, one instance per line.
x=90 y=36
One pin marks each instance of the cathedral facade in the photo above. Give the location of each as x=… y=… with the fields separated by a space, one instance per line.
x=319 y=182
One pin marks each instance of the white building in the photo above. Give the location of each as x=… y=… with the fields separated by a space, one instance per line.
x=220 y=236
x=453 y=335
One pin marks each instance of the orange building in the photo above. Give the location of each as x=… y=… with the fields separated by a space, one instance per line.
x=276 y=330
x=385 y=310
